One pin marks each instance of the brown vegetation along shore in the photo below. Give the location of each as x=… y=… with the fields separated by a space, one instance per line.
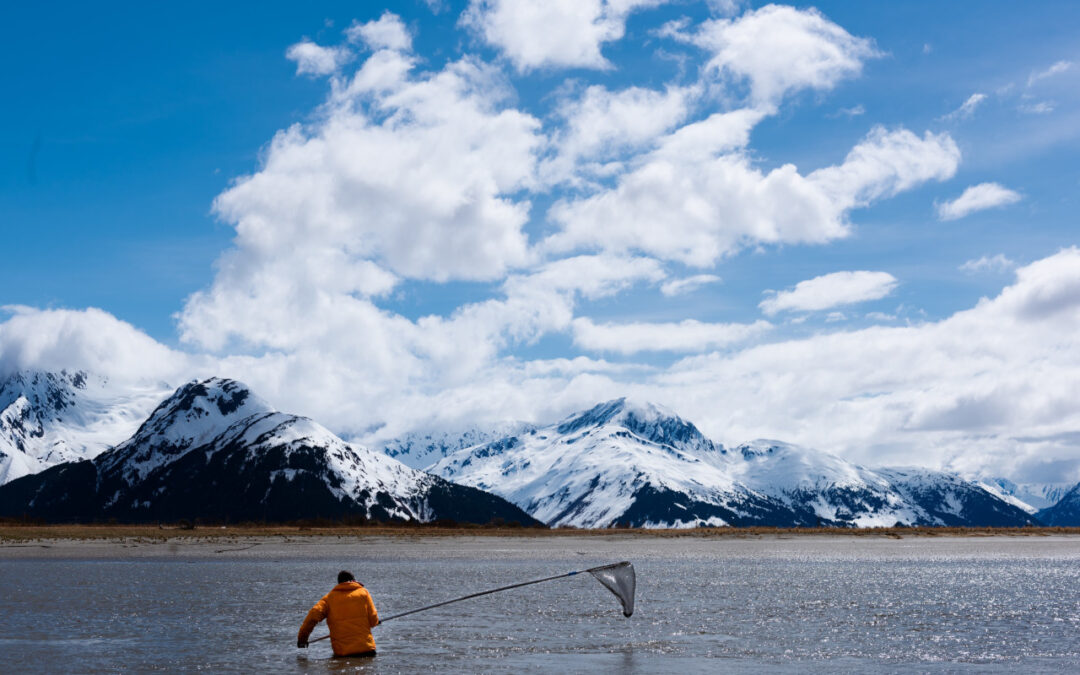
x=13 y=532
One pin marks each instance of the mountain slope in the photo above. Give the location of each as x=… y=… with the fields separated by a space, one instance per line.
x=215 y=450
x=422 y=449
x=1032 y=497
x=50 y=418
x=1065 y=513
x=836 y=492
x=948 y=500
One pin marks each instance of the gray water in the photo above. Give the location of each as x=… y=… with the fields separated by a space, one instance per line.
x=804 y=604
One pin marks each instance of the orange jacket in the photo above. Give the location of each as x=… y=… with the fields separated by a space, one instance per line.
x=350 y=615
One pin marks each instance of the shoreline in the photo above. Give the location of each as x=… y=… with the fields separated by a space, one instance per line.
x=13 y=534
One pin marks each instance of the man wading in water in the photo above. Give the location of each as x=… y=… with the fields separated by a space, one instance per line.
x=350 y=615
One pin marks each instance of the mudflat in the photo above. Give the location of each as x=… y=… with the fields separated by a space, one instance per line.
x=117 y=542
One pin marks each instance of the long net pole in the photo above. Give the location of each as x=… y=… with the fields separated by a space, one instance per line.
x=488 y=592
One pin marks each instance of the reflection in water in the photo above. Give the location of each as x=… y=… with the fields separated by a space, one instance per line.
x=783 y=606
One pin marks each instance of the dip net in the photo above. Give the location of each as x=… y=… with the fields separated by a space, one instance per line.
x=620 y=580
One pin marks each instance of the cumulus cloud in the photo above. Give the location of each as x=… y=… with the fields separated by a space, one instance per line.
x=687 y=284
x=695 y=208
x=885 y=164
x=683 y=336
x=830 y=290
x=551 y=33
x=89 y=339
x=315 y=60
x=996 y=263
x=977 y=198
x=404 y=176
x=778 y=50
x=967 y=109
x=600 y=124
x=386 y=32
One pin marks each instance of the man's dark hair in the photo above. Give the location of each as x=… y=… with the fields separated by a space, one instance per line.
x=344 y=576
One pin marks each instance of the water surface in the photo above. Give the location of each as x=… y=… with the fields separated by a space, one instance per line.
x=804 y=604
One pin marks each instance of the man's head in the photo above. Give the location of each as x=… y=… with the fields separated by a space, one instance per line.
x=344 y=576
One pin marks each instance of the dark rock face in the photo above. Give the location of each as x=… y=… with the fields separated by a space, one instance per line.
x=1066 y=513
x=661 y=505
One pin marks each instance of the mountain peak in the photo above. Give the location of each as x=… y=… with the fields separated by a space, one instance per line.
x=213 y=398
x=646 y=420
x=763 y=447
x=617 y=410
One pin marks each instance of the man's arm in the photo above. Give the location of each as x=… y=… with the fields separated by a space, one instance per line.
x=317 y=614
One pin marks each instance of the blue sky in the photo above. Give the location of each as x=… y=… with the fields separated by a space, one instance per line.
x=127 y=125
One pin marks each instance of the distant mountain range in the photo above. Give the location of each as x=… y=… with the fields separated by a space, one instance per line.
x=639 y=465
x=215 y=450
x=70 y=449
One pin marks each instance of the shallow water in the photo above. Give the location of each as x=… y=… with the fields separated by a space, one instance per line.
x=791 y=605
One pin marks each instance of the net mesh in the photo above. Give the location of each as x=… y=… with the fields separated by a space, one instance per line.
x=620 y=580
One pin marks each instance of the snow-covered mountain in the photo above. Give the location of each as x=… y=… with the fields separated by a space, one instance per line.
x=215 y=450
x=1064 y=513
x=619 y=463
x=637 y=464
x=421 y=449
x=49 y=418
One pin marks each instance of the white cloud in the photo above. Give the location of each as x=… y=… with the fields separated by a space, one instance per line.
x=683 y=336
x=996 y=263
x=387 y=32
x=887 y=163
x=551 y=33
x=1055 y=69
x=601 y=124
x=312 y=59
x=687 y=284
x=779 y=50
x=977 y=198
x=954 y=393
x=967 y=108
x=89 y=339
x=695 y=207
x=830 y=290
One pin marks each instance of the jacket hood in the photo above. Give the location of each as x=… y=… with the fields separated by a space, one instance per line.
x=348 y=586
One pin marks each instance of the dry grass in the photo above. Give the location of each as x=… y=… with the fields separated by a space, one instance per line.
x=17 y=532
